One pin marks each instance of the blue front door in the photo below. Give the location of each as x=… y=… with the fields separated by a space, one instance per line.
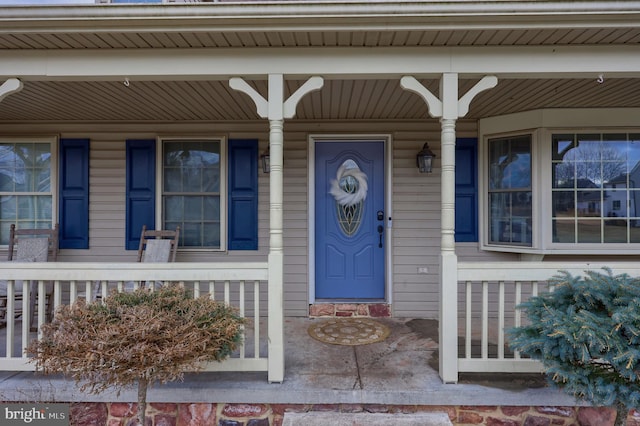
x=349 y=214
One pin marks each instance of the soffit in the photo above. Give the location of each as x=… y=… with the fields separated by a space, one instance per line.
x=337 y=100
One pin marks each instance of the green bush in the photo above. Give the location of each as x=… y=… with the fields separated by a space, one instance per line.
x=586 y=333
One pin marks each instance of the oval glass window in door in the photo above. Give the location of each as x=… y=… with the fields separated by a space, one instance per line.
x=349 y=190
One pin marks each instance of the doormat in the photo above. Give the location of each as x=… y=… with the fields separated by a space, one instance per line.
x=349 y=331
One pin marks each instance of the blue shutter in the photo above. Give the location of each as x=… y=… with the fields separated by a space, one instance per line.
x=74 y=194
x=141 y=189
x=243 y=194
x=467 y=190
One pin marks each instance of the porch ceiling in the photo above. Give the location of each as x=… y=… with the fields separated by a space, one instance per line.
x=338 y=99
x=232 y=25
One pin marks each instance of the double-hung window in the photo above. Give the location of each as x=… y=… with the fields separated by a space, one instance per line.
x=192 y=181
x=26 y=187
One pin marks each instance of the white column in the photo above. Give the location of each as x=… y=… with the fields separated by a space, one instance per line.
x=448 y=259
x=276 y=253
x=276 y=109
x=448 y=108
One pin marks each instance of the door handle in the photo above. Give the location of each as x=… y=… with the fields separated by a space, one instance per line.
x=380 y=231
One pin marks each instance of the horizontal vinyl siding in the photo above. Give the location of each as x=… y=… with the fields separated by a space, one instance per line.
x=416 y=201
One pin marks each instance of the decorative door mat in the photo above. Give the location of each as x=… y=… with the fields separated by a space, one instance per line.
x=349 y=331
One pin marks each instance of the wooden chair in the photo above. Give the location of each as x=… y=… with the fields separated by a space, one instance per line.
x=158 y=245
x=31 y=245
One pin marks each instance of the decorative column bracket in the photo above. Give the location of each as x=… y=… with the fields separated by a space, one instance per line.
x=9 y=87
x=435 y=105
x=271 y=109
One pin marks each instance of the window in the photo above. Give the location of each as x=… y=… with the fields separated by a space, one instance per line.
x=552 y=189
x=595 y=188
x=191 y=191
x=26 y=189
x=510 y=192
x=208 y=187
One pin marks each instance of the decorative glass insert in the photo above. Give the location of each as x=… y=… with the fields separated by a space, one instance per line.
x=349 y=190
x=595 y=188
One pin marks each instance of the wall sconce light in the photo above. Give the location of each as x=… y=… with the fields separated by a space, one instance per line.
x=266 y=161
x=425 y=158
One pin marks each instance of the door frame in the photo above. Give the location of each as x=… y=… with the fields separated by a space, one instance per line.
x=311 y=224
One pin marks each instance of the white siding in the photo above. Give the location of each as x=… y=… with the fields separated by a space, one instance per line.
x=415 y=197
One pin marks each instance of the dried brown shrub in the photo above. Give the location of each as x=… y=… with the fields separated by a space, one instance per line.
x=141 y=337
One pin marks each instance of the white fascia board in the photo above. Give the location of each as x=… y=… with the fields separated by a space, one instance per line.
x=321 y=15
x=331 y=63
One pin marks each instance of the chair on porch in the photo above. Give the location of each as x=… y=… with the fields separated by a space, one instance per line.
x=158 y=245
x=30 y=245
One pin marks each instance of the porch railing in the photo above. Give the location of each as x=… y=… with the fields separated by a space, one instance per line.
x=243 y=285
x=488 y=294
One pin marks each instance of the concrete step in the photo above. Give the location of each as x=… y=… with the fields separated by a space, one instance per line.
x=321 y=418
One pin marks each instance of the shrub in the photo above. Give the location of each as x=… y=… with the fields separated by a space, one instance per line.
x=141 y=337
x=586 y=333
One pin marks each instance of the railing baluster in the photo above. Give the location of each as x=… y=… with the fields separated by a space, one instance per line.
x=57 y=295
x=73 y=292
x=26 y=313
x=501 y=320
x=196 y=289
x=518 y=312
x=485 y=320
x=241 y=301
x=227 y=295
x=467 y=340
x=42 y=306
x=10 y=316
x=212 y=290
x=256 y=319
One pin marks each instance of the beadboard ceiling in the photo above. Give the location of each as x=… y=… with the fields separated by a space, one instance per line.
x=337 y=100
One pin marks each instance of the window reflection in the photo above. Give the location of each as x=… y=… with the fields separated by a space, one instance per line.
x=510 y=199
x=595 y=188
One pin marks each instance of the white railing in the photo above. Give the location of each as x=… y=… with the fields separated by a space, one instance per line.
x=488 y=294
x=243 y=285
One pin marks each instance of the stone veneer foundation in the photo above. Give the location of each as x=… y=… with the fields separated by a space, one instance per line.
x=376 y=310
x=208 y=414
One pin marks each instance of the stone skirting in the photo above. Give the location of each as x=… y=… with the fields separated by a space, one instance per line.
x=211 y=414
x=374 y=310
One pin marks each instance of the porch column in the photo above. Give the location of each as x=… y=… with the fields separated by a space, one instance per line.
x=275 y=109
x=448 y=108
x=12 y=85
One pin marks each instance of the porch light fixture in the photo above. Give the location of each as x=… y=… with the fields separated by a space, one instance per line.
x=425 y=158
x=266 y=161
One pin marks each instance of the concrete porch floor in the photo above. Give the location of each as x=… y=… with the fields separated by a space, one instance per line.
x=397 y=371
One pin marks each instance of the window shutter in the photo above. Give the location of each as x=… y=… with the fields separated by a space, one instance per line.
x=243 y=194
x=140 y=189
x=467 y=190
x=74 y=194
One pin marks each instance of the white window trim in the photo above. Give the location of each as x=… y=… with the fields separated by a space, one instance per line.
x=53 y=142
x=223 y=187
x=542 y=124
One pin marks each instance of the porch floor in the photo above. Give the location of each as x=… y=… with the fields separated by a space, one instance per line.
x=402 y=370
